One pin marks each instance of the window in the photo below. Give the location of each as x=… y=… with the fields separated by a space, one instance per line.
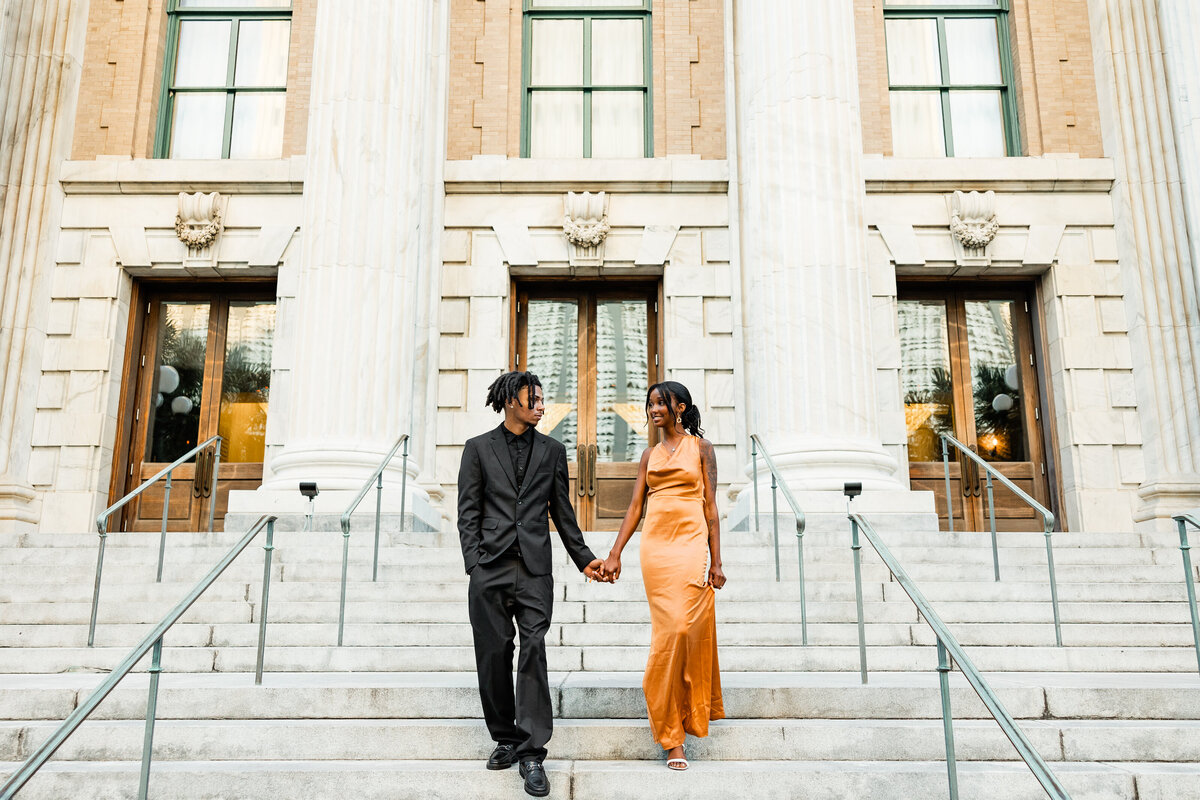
x=950 y=78
x=586 y=79
x=225 y=88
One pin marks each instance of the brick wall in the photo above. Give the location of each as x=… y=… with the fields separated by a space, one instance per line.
x=122 y=78
x=1054 y=79
x=687 y=84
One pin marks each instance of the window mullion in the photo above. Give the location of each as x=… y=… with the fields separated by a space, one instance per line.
x=587 y=83
x=231 y=67
x=944 y=59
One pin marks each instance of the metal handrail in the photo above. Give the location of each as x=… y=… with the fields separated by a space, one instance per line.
x=1047 y=518
x=1183 y=520
x=948 y=647
x=777 y=483
x=376 y=478
x=102 y=519
x=153 y=641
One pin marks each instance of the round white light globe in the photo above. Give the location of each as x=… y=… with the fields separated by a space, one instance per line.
x=1011 y=378
x=158 y=401
x=1002 y=402
x=168 y=379
x=182 y=404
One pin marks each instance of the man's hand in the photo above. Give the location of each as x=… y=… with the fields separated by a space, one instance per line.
x=595 y=572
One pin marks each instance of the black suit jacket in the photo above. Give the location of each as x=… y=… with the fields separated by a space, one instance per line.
x=492 y=513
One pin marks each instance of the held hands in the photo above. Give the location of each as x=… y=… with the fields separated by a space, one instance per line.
x=612 y=567
x=595 y=572
x=716 y=576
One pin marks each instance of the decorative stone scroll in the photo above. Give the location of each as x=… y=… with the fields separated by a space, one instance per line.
x=585 y=223
x=198 y=224
x=973 y=225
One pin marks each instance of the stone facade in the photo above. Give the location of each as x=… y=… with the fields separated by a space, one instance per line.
x=778 y=300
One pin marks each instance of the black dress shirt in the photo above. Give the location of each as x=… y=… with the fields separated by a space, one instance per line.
x=519 y=449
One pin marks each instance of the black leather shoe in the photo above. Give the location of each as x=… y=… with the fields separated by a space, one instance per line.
x=536 y=782
x=502 y=757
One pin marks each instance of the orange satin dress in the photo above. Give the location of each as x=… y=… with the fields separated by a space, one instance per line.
x=683 y=680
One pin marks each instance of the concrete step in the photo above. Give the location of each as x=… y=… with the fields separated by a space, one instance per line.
x=609 y=780
x=618 y=695
x=604 y=739
x=299 y=634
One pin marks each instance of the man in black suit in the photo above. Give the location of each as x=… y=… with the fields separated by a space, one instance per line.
x=508 y=479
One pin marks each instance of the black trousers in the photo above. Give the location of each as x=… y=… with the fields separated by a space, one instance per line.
x=503 y=592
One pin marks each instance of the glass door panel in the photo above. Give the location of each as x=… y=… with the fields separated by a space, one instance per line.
x=622 y=375
x=204 y=368
x=968 y=369
x=593 y=350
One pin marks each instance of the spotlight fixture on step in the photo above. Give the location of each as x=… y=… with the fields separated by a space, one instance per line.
x=309 y=490
x=851 y=490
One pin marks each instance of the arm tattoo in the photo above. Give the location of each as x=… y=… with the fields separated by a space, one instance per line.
x=710 y=472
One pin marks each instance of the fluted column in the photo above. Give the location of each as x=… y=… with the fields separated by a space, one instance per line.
x=1156 y=262
x=39 y=77
x=1179 y=23
x=804 y=267
x=363 y=283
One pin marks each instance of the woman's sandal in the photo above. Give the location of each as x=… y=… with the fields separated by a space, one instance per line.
x=677 y=764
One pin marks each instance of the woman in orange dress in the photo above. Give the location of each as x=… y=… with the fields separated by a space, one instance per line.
x=681 y=566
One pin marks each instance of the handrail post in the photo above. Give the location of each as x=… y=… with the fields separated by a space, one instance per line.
x=378 y=511
x=947 y=718
x=162 y=544
x=992 y=520
x=800 y=563
x=345 y=565
x=856 y=547
x=269 y=547
x=151 y=716
x=754 y=472
x=212 y=496
x=96 y=591
x=949 y=496
x=775 y=521
x=403 y=482
x=1049 y=525
x=1189 y=582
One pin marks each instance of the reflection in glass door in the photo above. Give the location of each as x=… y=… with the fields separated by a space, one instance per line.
x=204 y=369
x=594 y=351
x=968 y=370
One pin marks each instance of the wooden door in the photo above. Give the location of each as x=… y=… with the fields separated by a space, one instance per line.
x=594 y=347
x=204 y=369
x=969 y=368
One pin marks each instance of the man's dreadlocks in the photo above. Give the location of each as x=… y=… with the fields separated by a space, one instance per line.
x=508 y=386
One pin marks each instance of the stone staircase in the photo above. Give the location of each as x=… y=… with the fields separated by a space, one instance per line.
x=395 y=712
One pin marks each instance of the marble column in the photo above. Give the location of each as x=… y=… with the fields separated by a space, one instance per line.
x=807 y=329
x=42 y=44
x=1156 y=262
x=1179 y=24
x=360 y=319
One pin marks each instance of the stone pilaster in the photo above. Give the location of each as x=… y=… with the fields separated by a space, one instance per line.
x=1156 y=261
x=803 y=237
x=359 y=335
x=1179 y=24
x=42 y=46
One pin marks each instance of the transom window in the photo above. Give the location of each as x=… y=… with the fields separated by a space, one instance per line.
x=225 y=89
x=950 y=78
x=586 y=79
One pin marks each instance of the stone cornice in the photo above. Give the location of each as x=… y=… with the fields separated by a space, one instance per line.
x=494 y=175
x=161 y=176
x=922 y=175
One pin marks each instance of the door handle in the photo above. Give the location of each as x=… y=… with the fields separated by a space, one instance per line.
x=201 y=473
x=210 y=477
x=581 y=472
x=592 y=450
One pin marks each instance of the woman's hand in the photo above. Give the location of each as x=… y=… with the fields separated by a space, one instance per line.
x=716 y=576
x=611 y=567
